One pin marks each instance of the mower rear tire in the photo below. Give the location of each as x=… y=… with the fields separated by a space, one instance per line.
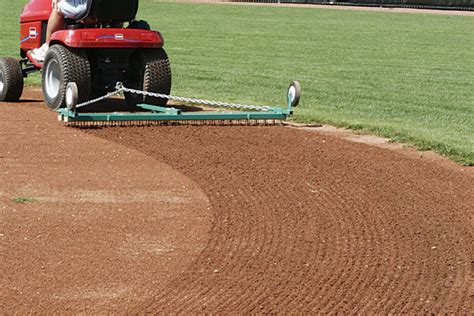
x=151 y=72
x=11 y=79
x=61 y=66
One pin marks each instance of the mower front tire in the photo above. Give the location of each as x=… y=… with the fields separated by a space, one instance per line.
x=62 y=66
x=149 y=71
x=11 y=79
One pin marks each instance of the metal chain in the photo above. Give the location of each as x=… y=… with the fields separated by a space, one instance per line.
x=108 y=95
x=120 y=88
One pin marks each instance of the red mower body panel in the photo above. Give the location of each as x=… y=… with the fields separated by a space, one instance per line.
x=31 y=35
x=34 y=22
x=36 y=10
x=108 y=38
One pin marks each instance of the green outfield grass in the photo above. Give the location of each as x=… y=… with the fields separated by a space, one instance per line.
x=406 y=76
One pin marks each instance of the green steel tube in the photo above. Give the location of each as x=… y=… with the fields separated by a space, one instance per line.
x=186 y=116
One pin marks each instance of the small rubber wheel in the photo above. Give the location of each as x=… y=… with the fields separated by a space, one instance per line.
x=294 y=93
x=149 y=71
x=62 y=66
x=72 y=95
x=11 y=79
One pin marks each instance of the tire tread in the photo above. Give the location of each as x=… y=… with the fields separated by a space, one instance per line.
x=157 y=77
x=13 y=79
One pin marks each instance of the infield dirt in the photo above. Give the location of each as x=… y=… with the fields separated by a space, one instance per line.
x=226 y=219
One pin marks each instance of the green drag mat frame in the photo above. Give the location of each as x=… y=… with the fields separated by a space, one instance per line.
x=172 y=114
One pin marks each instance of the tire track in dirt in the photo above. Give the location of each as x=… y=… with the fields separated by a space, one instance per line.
x=308 y=222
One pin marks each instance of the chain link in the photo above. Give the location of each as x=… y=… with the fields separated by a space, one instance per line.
x=120 y=88
x=108 y=95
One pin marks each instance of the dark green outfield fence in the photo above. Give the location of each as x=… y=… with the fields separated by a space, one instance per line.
x=430 y=4
x=448 y=4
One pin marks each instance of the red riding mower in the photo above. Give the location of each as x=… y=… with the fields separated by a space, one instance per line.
x=104 y=46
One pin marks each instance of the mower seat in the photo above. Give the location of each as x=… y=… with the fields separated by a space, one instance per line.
x=103 y=11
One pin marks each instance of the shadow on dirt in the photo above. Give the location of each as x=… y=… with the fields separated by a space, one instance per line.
x=119 y=105
x=30 y=101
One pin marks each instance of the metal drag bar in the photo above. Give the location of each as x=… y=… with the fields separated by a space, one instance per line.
x=67 y=115
x=158 y=113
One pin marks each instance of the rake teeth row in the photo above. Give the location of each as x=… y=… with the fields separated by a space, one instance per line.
x=100 y=124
